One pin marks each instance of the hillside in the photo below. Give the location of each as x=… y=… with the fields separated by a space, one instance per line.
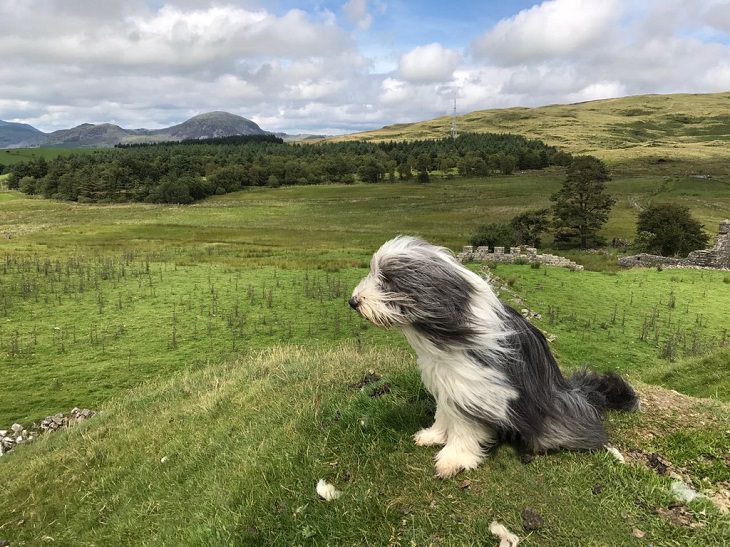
x=662 y=127
x=87 y=135
x=229 y=454
x=17 y=135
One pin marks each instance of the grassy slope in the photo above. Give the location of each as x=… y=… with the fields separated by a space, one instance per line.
x=301 y=224
x=134 y=291
x=17 y=155
x=694 y=128
x=241 y=467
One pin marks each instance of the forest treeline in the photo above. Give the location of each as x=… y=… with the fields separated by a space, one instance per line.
x=183 y=172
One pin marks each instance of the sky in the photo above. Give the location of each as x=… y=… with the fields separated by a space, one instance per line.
x=338 y=67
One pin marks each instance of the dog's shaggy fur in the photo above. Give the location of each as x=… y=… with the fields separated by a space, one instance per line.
x=490 y=371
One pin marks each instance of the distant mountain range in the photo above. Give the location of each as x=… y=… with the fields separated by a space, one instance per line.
x=87 y=135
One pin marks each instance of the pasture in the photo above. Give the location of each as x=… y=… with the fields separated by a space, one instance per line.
x=217 y=337
x=11 y=156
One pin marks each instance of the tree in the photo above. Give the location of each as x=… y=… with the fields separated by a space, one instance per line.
x=668 y=229
x=422 y=166
x=529 y=225
x=494 y=235
x=582 y=204
x=371 y=171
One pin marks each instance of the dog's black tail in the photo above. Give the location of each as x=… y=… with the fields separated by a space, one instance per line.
x=605 y=391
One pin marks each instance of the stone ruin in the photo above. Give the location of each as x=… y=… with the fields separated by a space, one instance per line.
x=17 y=434
x=717 y=257
x=516 y=255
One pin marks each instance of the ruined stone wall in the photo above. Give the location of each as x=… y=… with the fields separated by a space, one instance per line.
x=717 y=257
x=526 y=255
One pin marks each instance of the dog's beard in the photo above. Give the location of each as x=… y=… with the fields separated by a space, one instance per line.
x=382 y=309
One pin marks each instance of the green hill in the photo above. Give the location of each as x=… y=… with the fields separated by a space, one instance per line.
x=693 y=127
x=230 y=454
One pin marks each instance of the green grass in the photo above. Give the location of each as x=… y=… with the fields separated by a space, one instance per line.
x=297 y=224
x=18 y=155
x=240 y=468
x=218 y=335
x=652 y=325
x=79 y=331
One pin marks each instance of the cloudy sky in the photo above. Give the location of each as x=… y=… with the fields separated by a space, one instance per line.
x=342 y=66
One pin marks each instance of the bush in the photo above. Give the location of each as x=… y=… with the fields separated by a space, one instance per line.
x=529 y=226
x=494 y=235
x=669 y=230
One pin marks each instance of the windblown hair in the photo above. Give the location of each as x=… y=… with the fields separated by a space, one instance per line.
x=490 y=370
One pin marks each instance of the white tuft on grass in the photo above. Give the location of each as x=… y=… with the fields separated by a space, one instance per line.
x=683 y=492
x=615 y=453
x=327 y=491
x=506 y=538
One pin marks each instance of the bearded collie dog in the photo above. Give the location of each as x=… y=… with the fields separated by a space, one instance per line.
x=489 y=370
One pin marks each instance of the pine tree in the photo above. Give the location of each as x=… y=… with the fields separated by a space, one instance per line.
x=582 y=204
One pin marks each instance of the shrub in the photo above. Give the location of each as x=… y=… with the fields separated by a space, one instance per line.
x=494 y=235
x=669 y=230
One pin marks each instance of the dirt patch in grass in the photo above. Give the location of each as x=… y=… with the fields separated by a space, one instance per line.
x=685 y=439
x=679 y=515
x=664 y=411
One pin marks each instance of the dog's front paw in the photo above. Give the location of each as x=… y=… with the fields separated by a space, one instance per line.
x=430 y=436
x=449 y=462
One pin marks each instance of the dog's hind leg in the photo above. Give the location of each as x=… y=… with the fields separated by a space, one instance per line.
x=465 y=444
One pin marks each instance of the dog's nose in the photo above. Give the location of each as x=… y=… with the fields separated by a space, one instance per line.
x=354 y=303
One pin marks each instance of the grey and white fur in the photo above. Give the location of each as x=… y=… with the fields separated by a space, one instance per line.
x=490 y=371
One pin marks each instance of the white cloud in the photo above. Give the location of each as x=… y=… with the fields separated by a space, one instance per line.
x=556 y=28
x=150 y=63
x=430 y=63
x=356 y=11
x=598 y=90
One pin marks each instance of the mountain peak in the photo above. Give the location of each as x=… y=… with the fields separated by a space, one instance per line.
x=211 y=125
x=202 y=126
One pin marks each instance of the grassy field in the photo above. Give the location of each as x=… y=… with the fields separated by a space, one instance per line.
x=217 y=336
x=17 y=155
x=213 y=457
x=648 y=132
x=304 y=225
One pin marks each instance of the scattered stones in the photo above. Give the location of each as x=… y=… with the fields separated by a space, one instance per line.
x=519 y=255
x=637 y=533
x=18 y=434
x=531 y=519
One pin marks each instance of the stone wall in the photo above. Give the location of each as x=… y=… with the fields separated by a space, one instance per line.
x=17 y=434
x=717 y=257
x=526 y=255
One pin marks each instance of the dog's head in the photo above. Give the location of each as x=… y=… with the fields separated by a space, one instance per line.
x=413 y=283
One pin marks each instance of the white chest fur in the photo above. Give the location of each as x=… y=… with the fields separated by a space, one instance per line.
x=455 y=380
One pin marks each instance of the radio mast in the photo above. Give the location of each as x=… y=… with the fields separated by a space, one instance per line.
x=454 y=132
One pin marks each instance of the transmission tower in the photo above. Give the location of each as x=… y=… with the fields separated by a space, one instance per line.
x=454 y=132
